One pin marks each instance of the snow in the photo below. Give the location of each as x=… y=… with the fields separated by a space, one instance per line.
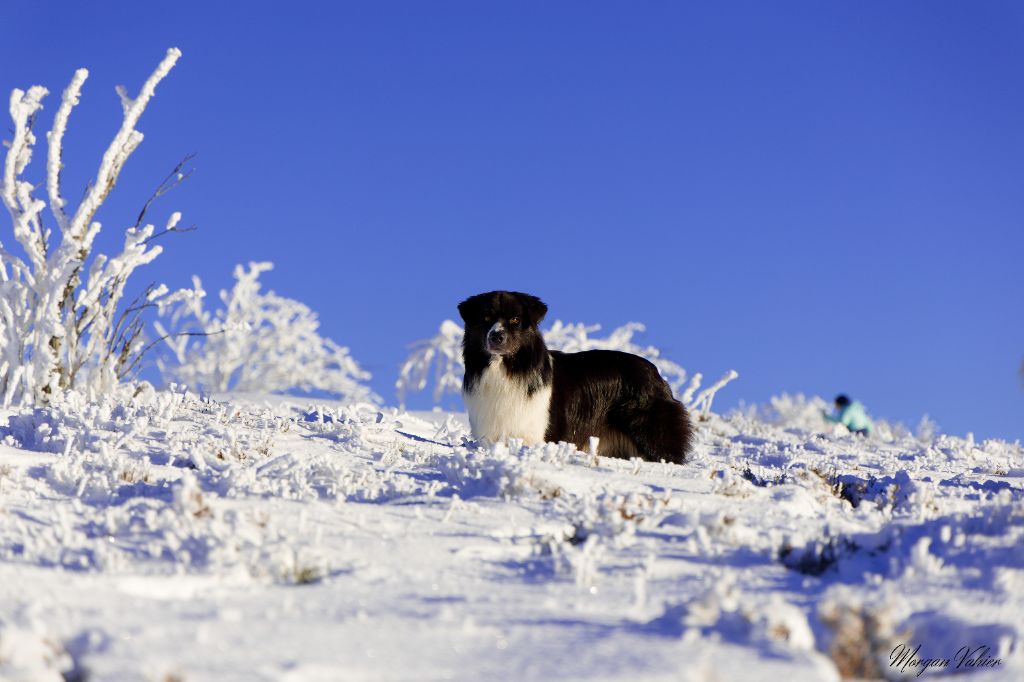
x=169 y=536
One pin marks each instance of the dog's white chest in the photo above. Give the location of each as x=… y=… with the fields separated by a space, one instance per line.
x=499 y=407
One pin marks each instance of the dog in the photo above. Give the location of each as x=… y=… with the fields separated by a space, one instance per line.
x=514 y=387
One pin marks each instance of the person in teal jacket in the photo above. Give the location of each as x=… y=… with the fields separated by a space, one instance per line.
x=851 y=414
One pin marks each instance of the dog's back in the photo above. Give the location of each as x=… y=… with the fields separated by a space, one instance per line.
x=621 y=399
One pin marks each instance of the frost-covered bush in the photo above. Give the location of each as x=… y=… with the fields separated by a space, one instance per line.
x=805 y=413
x=792 y=412
x=62 y=321
x=860 y=635
x=440 y=358
x=258 y=341
x=443 y=353
x=742 y=618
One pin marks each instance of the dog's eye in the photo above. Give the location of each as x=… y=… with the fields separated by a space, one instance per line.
x=514 y=322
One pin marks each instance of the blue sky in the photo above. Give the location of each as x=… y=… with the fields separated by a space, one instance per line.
x=824 y=196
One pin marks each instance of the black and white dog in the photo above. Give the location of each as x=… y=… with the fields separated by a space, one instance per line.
x=516 y=388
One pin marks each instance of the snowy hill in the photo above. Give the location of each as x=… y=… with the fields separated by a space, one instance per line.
x=172 y=538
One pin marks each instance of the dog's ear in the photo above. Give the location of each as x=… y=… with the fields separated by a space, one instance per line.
x=470 y=309
x=534 y=306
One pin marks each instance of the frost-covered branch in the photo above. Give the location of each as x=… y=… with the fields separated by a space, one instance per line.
x=256 y=342
x=55 y=138
x=440 y=357
x=124 y=143
x=58 y=332
x=702 y=403
x=443 y=353
x=178 y=175
x=17 y=194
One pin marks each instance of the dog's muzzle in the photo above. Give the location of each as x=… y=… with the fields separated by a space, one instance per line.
x=496 y=341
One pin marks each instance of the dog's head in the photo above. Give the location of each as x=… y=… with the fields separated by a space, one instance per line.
x=502 y=322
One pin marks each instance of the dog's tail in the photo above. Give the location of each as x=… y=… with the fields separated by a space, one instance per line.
x=663 y=431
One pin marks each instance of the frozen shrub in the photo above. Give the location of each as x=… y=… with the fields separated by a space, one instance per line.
x=927 y=429
x=860 y=637
x=258 y=341
x=804 y=413
x=63 y=321
x=443 y=352
x=724 y=610
x=793 y=412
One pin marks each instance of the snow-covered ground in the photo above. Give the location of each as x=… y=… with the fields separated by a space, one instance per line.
x=174 y=538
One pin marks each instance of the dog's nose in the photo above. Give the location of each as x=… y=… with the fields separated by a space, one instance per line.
x=496 y=337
